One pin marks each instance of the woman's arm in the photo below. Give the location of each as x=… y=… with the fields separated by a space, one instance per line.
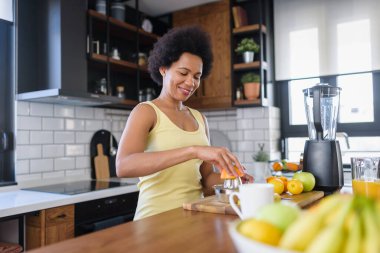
x=132 y=161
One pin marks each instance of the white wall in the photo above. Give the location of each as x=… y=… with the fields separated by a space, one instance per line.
x=53 y=141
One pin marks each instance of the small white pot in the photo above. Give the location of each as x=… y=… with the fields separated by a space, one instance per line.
x=248 y=56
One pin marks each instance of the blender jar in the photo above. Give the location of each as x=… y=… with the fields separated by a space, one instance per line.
x=321 y=106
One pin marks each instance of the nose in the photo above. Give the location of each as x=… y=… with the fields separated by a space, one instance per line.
x=190 y=81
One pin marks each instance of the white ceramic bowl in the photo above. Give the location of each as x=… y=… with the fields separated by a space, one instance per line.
x=246 y=245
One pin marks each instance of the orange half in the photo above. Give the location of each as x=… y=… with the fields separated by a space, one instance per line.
x=225 y=175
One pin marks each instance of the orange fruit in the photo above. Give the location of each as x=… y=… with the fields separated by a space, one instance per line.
x=285 y=181
x=295 y=186
x=277 y=166
x=292 y=166
x=225 y=175
x=269 y=178
x=278 y=185
x=259 y=230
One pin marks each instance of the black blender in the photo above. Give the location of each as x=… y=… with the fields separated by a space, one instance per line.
x=322 y=156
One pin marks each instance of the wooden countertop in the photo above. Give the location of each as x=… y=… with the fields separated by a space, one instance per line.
x=177 y=230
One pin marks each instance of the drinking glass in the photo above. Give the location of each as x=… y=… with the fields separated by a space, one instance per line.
x=366 y=176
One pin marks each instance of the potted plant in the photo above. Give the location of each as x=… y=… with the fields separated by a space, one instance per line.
x=259 y=168
x=251 y=83
x=247 y=47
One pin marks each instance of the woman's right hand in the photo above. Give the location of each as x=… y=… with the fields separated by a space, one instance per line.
x=220 y=157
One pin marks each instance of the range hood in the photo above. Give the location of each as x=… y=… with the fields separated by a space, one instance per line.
x=59 y=96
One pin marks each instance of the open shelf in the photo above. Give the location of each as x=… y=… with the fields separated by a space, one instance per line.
x=250 y=65
x=249 y=28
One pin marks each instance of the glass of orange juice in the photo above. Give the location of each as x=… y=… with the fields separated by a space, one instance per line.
x=366 y=176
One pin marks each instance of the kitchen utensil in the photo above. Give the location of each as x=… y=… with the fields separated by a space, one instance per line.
x=102 y=170
x=222 y=194
x=113 y=150
x=322 y=156
x=252 y=197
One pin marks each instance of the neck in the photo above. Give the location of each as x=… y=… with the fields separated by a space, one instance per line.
x=171 y=104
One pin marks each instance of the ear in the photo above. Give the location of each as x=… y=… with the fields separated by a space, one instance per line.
x=162 y=71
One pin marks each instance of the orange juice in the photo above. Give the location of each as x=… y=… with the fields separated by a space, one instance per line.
x=367 y=188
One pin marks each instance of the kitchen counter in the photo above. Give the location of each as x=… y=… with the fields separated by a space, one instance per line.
x=18 y=201
x=177 y=230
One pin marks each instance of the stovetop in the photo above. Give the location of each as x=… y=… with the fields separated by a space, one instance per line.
x=77 y=187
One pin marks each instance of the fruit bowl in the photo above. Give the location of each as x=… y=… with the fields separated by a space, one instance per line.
x=246 y=245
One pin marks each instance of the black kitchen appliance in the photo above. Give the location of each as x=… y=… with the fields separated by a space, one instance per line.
x=322 y=156
x=77 y=187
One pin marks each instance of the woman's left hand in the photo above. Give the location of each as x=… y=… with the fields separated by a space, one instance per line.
x=246 y=178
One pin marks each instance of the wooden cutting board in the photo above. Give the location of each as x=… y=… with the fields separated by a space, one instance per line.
x=212 y=205
x=102 y=170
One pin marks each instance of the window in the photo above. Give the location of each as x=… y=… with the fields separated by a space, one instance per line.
x=7 y=91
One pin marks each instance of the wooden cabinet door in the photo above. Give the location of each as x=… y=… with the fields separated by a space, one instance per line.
x=214 y=18
x=49 y=226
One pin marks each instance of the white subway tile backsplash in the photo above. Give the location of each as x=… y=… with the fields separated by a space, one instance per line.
x=22 y=167
x=82 y=162
x=28 y=177
x=261 y=124
x=41 y=109
x=93 y=125
x=64 y=137
x=227 y=125
x=106 y=125
x=253 y=112
x=28 y=151
x=41 y=137
x=22 y=137
x=245 y=146
x=245 y=124
x=64 y=163
x=83 y=137
x=23 y=108
x=212 y=124
x=28 y=123
x=84 y=112
x=65 y=111
x=99 y=113
x=52 y=151
x=74 y=124
x=78 y=173
x=54 y=174
x=235 y=135
x=53 y=124
x=41 y=165
x=74 y=150
x=254 y=135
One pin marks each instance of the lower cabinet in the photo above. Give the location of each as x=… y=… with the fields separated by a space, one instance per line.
x=49 y=226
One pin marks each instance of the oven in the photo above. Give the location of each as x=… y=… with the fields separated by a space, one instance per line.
x=94 y=215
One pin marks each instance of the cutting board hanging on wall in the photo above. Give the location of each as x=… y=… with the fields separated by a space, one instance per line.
x=103 y=136
x=102 y=170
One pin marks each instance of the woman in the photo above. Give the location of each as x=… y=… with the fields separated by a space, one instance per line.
x=166 y=143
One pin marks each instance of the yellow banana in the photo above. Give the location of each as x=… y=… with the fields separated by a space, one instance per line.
x=371 y=243
x=331 y=238
x=353 y=241
x=309 y=225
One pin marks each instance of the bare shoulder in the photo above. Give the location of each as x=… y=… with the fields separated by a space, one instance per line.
x=143 y=114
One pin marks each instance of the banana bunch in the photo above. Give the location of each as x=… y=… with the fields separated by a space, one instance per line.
x=338 y=224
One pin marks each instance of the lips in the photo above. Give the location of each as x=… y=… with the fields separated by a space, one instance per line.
x=185 y=91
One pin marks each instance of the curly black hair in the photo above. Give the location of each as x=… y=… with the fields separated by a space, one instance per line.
x=170 y=47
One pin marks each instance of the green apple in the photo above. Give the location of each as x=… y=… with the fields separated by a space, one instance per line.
x=307 y=179
x=279 y=214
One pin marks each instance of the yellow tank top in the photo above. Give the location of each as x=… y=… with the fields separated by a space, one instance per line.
x=171 y=187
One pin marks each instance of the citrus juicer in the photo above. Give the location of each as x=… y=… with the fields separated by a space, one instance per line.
x=230 y=185
x=322 y=155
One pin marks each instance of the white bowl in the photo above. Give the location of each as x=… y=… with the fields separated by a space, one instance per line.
x=246 y=245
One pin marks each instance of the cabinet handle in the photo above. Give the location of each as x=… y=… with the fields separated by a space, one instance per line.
x=61 y=216
x=3 y=141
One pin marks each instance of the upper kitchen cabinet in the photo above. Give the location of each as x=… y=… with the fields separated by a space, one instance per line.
x=215 y=91
x=252 y=19
x=118 y=49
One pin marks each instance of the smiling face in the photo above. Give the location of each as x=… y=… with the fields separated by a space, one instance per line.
x=182 y=78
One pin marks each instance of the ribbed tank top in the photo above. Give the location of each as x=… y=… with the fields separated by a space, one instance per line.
x=171 y=187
